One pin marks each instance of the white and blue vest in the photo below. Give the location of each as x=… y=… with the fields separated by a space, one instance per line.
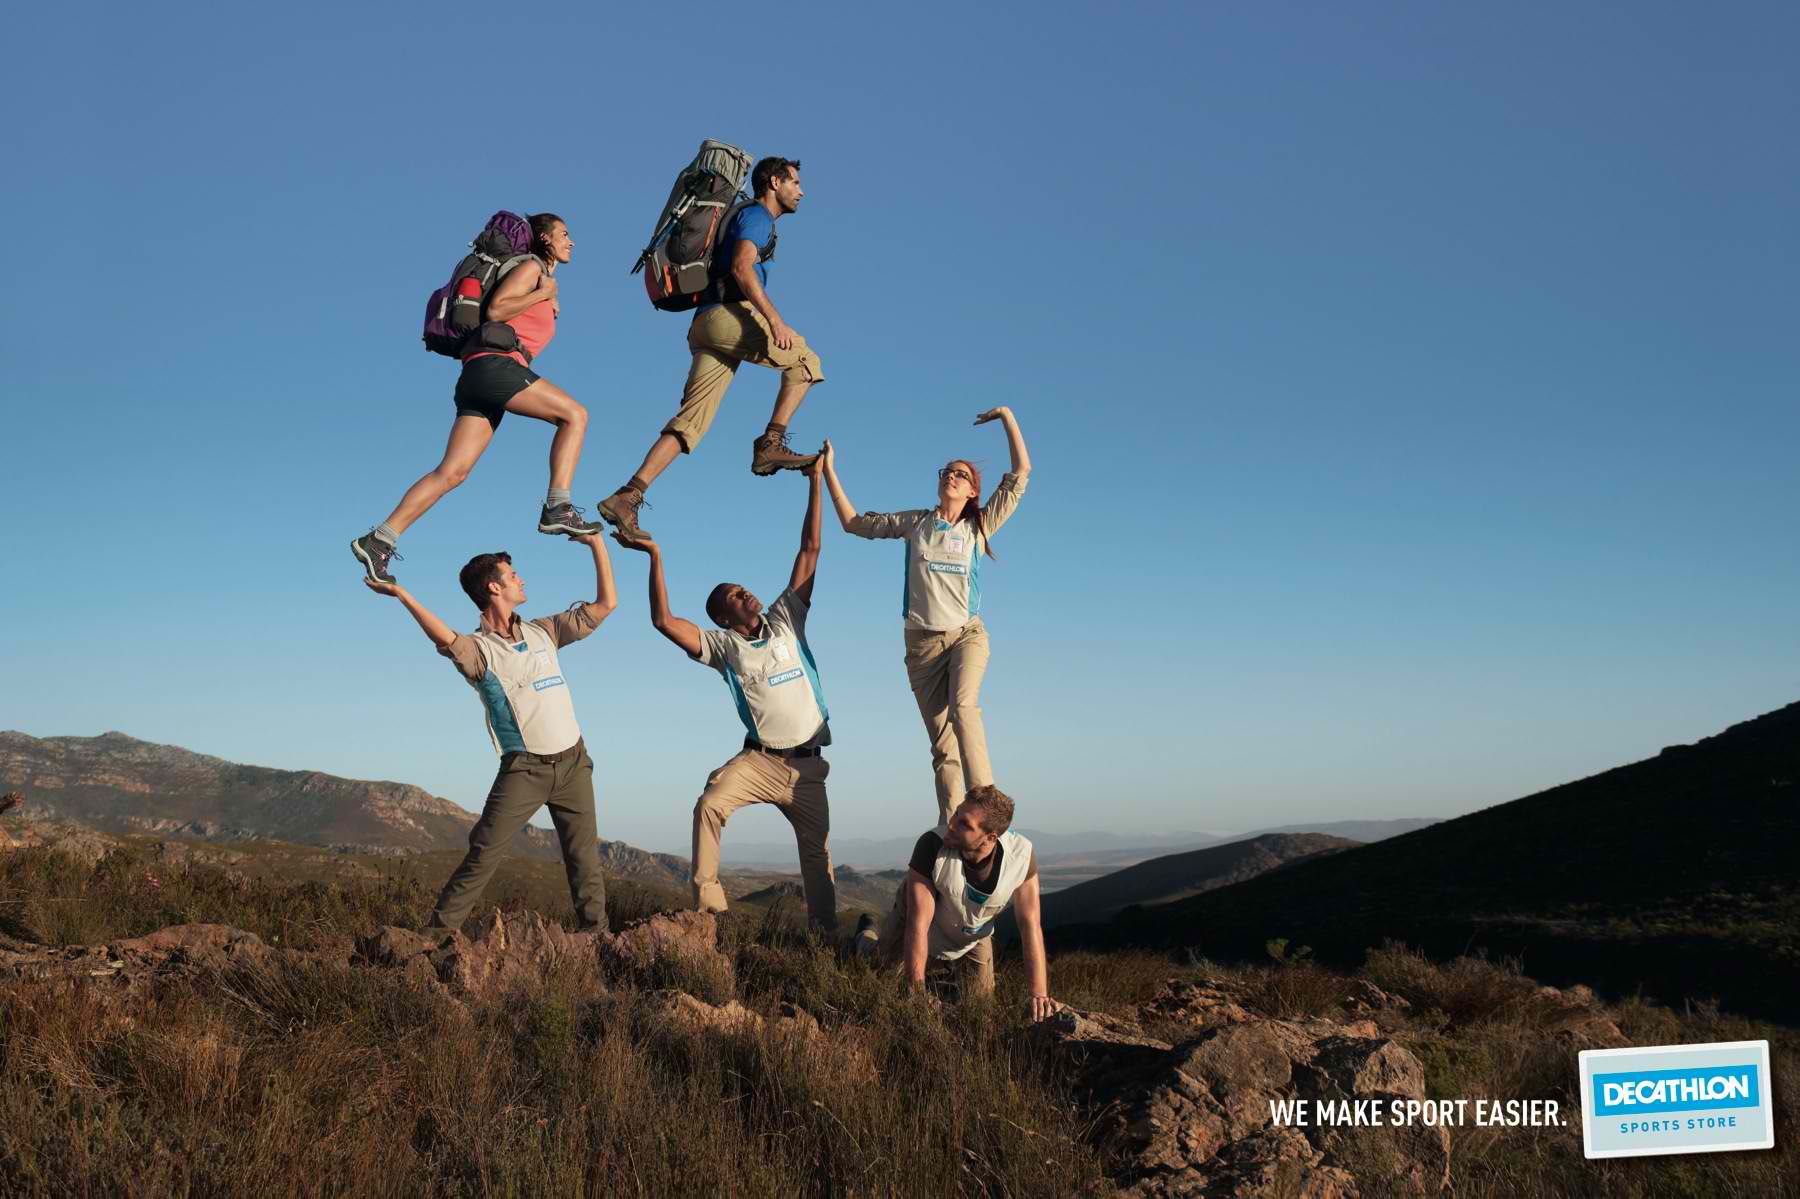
x=773 y=680
x=525 y=698
x=965 y=916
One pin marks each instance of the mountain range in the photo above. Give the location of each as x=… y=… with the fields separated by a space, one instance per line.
x=118 y=784
x=1673 y=876
x=1177 y=876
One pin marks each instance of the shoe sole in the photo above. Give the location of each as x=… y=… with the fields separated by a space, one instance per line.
x=543 y=528
x=766 y=471
x=369 y=567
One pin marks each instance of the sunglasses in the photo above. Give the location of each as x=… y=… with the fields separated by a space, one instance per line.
x=955 y=472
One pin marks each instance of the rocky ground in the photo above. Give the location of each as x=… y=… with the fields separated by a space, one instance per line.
x=313 y=1038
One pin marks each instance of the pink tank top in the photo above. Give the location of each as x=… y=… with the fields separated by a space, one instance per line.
x=535 y=327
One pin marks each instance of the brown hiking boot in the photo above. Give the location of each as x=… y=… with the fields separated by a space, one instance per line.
x=620 y=510
x=771 y=452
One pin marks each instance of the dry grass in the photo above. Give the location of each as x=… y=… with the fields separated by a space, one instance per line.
x=303 y=1079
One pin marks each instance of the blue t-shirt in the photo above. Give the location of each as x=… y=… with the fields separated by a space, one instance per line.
x=754 y=225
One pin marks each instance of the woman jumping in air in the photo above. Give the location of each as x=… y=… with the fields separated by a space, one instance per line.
x=946 y=643
x=496 y=381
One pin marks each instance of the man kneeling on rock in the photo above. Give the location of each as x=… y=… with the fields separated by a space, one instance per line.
x=961 y=877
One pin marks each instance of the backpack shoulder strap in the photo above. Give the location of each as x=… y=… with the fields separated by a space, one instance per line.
x=507 y=266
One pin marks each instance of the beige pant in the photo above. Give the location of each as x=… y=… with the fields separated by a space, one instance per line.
x=887 y=948
x=719 y=339
x=797 y=787
x=945 y=670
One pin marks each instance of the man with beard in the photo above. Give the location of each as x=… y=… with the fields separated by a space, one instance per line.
x=961 y=877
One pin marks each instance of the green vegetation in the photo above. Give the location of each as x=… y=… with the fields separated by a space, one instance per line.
x=297 y=1076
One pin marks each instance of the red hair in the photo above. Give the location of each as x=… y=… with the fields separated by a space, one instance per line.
x=971 y=510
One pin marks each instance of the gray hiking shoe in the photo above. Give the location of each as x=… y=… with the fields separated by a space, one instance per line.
x=770 y=452
x=375 y=554
x=567 y=518
x=620 y=510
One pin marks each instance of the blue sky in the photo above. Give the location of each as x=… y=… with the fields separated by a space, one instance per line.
x=1411 y=388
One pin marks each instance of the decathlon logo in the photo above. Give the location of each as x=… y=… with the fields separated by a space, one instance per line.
x=555 y=680
x=947 y=568
x=1676 y=1099
x=786 y=676
x=1676 y=1090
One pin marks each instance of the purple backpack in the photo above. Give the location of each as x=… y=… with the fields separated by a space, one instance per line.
x=459 y=307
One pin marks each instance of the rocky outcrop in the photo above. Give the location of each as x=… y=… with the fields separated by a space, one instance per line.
x=128 y=967
x=1196 y=1116
x=507 y=952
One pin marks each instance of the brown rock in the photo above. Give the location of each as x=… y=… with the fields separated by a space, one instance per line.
x=1196 y=1118
x=666 y=934
x=507 y=952
x=1365 y=996
x=684 y=1011
x=1203 y=1003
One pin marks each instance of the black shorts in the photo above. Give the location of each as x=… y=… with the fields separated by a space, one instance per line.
x=487 y=383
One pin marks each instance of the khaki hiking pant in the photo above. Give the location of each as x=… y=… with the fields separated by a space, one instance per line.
x=945 y=670
x=719 y=339
x=527 y=782
x=797 y=787
x=887 y=948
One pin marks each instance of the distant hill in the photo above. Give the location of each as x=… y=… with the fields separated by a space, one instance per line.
x=1177 y=876
x=121 y=785
x=1366 y=831
x=1105 y=850
x=1675 y=875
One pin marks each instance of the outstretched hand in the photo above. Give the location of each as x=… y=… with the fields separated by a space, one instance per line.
x=999 y=413
x=816 y=467
x=827 y=456
x=642 y=544
x=1042 y=1008
x=392 y=589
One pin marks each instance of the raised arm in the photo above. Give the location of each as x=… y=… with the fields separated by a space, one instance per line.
x=1015 y=440
x=524 y=285
x=846 y=511
x=806 y=562
x=684 y=633
x=873 y=525
x=1029 y=912
x=440 y=633
x=583 y=618
x=921 y=906
x=606 y=594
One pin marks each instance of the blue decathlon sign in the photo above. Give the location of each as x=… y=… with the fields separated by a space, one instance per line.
x=1676 y=1099
x=1647 y=1092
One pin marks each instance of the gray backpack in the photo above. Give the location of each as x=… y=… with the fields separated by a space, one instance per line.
x=677 y=264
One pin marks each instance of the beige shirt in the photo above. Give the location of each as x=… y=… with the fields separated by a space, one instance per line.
x=943 y=560
x=523 y=693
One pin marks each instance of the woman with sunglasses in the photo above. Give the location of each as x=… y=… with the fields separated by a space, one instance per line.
x=946 y=643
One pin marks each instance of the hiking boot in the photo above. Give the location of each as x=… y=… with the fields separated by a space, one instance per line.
x=771 y=452
x=567 y=518
x=375 y=554
x=864 y=942
x=620 y=509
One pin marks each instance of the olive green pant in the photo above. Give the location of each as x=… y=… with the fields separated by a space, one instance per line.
x=945 y=670
x=527 y=782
